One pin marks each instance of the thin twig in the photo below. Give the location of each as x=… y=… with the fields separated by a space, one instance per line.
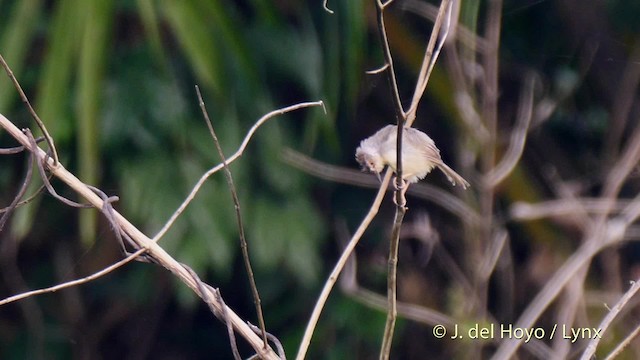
x=623 y=344
x=33 y=113
x=23 y=189
x=604 y=324
x=399 y=184
x=325 y=7
x=45 y=178
x=392 y=272
x=349 y=284
x=403 y=119
x=496 y=247
x=243 y=241
x=442 y=23
x=232 y=336
x=523 y=211
x=462 y=33
x=378 y=70
x=391 y=72
x=343 y=175
x=271 y=338
x=231 y=159
x=76 y=282
x=518 y=137
x=27 y=200
x=333 y=277
x=17 y=149
x=206 y=296
x=30 y=308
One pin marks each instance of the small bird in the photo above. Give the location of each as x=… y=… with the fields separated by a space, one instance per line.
x=419 y=155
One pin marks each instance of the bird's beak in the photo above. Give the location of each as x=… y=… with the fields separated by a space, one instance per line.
x=379 y=178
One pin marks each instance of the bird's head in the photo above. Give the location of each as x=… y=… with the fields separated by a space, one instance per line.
x=369 y=160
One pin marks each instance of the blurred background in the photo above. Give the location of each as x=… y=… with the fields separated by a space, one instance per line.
x=113 y=80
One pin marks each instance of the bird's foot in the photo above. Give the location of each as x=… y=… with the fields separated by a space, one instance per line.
x=401 y=186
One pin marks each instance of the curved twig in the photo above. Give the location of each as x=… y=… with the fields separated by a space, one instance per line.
x=518 y=138
x=230 y=159
x=604 y=324
x=76 y=282
x=236 y=202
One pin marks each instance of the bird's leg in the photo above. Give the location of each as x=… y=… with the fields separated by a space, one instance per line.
x=401 y=186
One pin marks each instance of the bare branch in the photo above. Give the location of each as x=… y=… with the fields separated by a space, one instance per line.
x=231 y=159
x=606 y=322
x=16 y=200
x=556 y=208
x=271 y=338
x=497 y=245
x=349 y=284
x=392 y=274
x=243 y=241
x=76 y=282
x=156 y=252
x=232 y=336
x=623 y=344
x=438 y=35
x=333 y=277
x=45 y=178
x=378 y=70
x=518 y=137
x=325 y=7
x=391 y=72
x=462 y=33
x=422 y=190
x=33 y=113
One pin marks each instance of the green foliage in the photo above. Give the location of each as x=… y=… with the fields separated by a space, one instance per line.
x=113 y=82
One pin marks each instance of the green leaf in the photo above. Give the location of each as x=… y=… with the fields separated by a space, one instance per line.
x=90 y=84
x=53 y=94
x=195 y=36
x=20 y=26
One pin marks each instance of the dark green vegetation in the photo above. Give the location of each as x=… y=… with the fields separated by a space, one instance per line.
x=114 y=83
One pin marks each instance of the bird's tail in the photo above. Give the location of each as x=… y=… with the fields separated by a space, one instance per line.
x=453 y=176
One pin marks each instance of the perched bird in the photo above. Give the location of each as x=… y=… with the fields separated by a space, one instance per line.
x=419 y=155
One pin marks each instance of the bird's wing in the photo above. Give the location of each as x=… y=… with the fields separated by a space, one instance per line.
x=421 y=141
x=431 y=153
x=387 y=133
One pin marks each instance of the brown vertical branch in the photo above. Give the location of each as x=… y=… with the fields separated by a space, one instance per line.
x=333 y=277
x=390 y=70
x=243 y=241
x=395 y=95
x=392 y=270
x=403 y=119
x=399 y=184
